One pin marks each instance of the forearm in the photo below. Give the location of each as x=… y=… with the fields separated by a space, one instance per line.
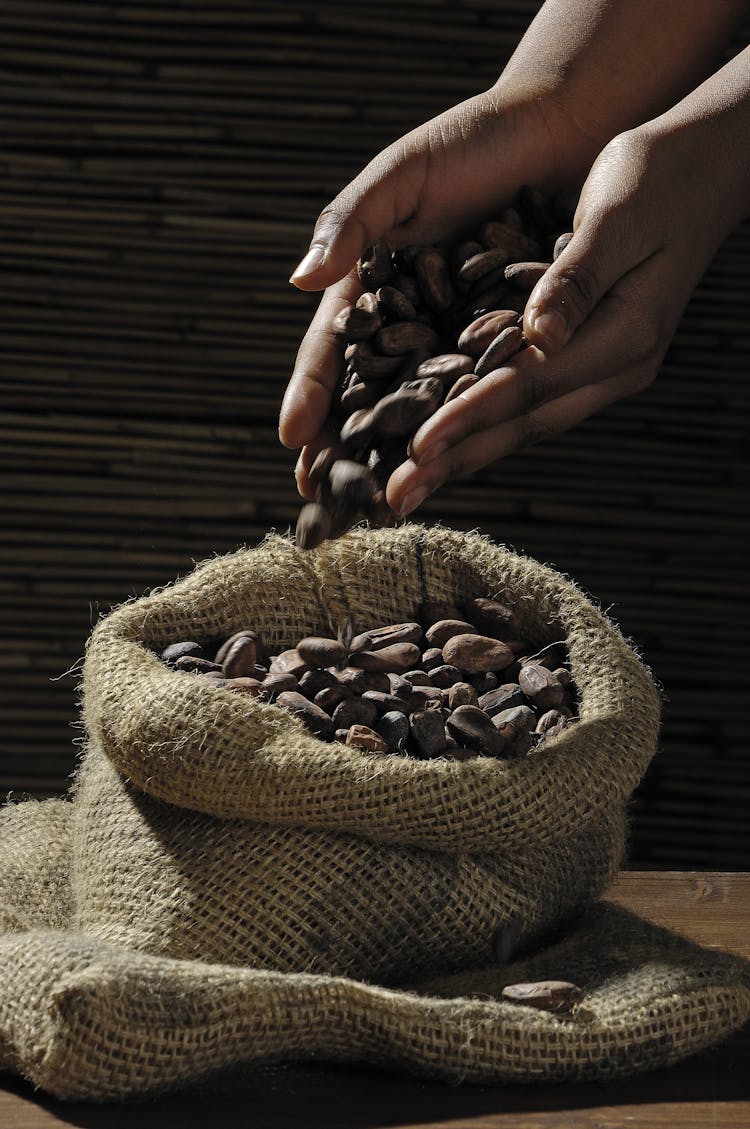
x=603 y=66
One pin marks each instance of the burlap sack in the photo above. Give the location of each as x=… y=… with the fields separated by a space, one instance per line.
x=215 y=827
x=87 y=1020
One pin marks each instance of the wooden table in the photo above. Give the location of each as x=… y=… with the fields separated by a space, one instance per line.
x=712 y=1090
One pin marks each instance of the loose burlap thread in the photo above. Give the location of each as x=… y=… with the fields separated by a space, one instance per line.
x=226 y=888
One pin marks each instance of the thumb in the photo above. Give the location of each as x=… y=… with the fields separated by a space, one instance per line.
x=378 y=200
x=594 y=259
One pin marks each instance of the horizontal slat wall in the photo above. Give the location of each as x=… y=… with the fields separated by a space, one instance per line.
x=161 y=165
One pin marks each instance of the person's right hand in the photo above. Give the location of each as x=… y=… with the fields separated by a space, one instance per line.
x=466 y=164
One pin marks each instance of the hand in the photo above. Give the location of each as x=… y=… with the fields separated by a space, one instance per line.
x=650 y=217
x=466 y=164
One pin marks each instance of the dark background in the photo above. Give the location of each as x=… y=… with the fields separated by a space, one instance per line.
x=161 y=165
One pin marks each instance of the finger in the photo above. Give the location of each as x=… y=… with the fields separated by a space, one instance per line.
x=410 y=484
x=384 y=195
x=607 y=246
x=319 y=364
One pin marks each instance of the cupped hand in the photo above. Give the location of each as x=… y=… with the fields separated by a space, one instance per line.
x=464 y=165
x=600 y=320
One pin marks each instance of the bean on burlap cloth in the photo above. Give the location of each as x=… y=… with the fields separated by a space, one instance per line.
x=222 y=888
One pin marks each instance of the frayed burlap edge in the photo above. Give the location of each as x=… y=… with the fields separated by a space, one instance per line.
x=194 y=746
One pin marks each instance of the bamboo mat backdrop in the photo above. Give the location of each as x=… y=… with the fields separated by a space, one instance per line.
x=161 y=165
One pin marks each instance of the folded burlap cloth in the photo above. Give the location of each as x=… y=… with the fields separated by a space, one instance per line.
x=222 y=888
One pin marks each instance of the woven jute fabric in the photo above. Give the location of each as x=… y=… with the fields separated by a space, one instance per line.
x=222 y=888
x=89 y=1020
x=214 y=827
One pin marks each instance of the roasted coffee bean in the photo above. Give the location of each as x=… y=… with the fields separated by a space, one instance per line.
x=545 y=995
x=473 y=728
x=428 y=732
x=175 y=651
x=438 y=634
x=476 y=653
x=194 y=664
x=313 y=717
x=507 y=342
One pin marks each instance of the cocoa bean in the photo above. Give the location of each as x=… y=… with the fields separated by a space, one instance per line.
x=407 y=284
x=386 y=703
x=289 y=662
x=510 y=240
x=475 y=653
x=423 y=697
x=363 y=737
x=479 y=265
x=360 y=394
x=428 y=732
x=320 y=651
x=561 y=243
x=239 y=658
x=374 y=267
x=358 y=681
x=357 y=430
x=352 y=485
x=431 y=658
x=241 y=685
x=274 y=684
x=394 y=303
x=492 y=618
x=418 y=678
x=502 y=698
x=393 y=727
x=330 y=697
x=194 y=664
x=438 y=634
x=462 y=694
x=446 y=367
x=354 y=711
x=545 y=995
x=479 y=334
x=524 y=276
x=468 y=380
x=548 y=721
x=186 y=649
x=378 y=637
x=433 y=279
x=396 y=657
x=485 y=681
x=446 y=676
x=313 y=526
x=371 y=365
x=402 y=412
x=403 y=336
x=313 y=681
x=354 y=323
x=472 y=728
x=505 y=345
x=540 y=686
x=312 y=717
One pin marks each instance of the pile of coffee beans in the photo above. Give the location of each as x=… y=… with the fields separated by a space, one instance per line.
x=459 y=683
x=432 y=321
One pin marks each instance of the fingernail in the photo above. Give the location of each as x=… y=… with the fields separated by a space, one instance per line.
x=550 y=328
x=412 y=500
x=311 y=262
